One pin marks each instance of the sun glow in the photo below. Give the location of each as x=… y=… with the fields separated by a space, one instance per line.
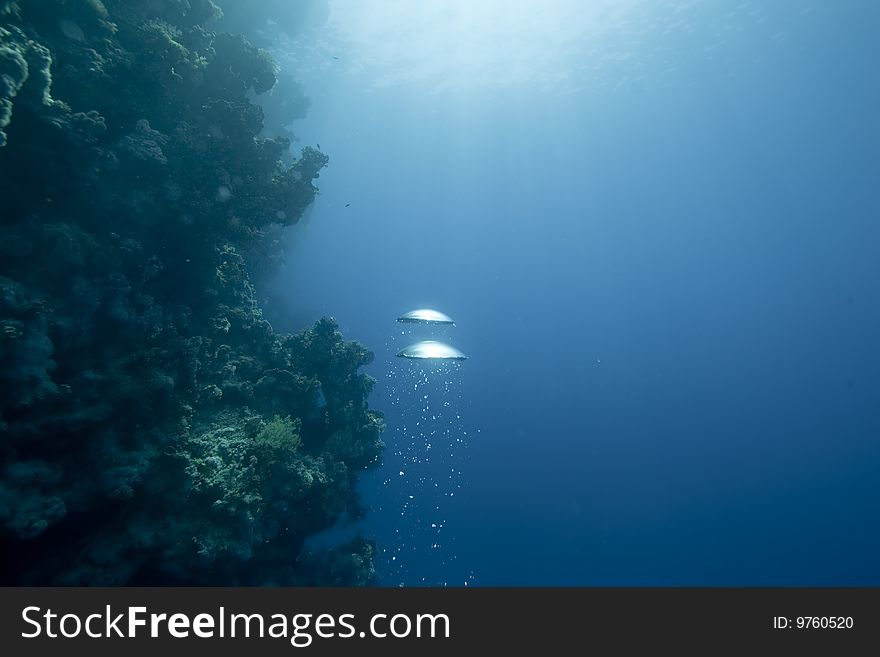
x=466 y=44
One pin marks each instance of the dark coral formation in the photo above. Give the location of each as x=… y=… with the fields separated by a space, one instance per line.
x=155 y=429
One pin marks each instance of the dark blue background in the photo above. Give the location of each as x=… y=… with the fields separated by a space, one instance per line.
x=669 y=289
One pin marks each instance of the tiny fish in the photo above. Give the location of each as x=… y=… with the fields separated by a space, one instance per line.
x=347 y=204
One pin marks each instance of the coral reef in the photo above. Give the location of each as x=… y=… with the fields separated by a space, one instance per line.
x=155 y=428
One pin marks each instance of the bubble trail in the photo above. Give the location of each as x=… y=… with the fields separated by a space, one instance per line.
x=428 y=452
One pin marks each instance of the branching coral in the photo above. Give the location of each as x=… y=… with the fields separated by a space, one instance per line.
x=280 y=435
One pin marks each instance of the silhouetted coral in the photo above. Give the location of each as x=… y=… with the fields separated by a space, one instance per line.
x=155 y=428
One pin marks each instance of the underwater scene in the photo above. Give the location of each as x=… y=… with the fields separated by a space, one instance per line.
x=439 y=293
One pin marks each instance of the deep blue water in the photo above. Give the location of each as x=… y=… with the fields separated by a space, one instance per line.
x=658 y=235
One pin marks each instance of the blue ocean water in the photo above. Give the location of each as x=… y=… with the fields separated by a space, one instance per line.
x=656 y=226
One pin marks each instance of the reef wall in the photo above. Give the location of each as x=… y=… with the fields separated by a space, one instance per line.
x=154 y=429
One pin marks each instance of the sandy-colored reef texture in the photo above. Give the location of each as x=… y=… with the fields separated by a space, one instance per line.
x=154 y=428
